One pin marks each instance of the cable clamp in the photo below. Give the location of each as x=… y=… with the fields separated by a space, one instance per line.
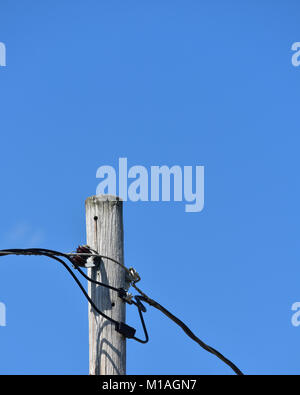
x=125 y=330
x=134 y=277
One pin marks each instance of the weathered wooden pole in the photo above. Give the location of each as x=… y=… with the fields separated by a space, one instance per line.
x=104 y=224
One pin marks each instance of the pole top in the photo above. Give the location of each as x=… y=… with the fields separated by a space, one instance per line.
x=103 y=198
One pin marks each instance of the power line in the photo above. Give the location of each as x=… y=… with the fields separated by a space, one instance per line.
x=81 y=259
x=121 y=327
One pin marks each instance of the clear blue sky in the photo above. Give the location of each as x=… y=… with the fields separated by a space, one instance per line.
x=159 y=82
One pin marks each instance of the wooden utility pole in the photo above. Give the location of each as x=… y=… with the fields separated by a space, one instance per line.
x=104 y=224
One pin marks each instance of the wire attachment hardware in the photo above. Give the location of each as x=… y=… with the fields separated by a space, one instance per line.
x=85 y=257
x=125 y=330
x=126 y=296
x=133 y=275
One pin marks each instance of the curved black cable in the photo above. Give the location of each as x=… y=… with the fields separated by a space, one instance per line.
x=141 y=308
x=82 y=289
x=187 y=330
x=50 y=254
x=54 y=255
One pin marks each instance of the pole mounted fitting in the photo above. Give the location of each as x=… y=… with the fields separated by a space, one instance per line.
x=133 y=275
x=126 y=296
x=85 y=257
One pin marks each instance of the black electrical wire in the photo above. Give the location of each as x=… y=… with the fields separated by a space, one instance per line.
x=141 y=308
x=187 y=330
x=82 y=289
x=183 y=326
x=50 y=254
x=54 y=255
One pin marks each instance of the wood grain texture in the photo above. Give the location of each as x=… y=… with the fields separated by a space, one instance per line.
x=104 y=224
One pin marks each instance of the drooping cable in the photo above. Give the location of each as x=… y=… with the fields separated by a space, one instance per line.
x=77 y=260
x=187 y=330
x=121 y=327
